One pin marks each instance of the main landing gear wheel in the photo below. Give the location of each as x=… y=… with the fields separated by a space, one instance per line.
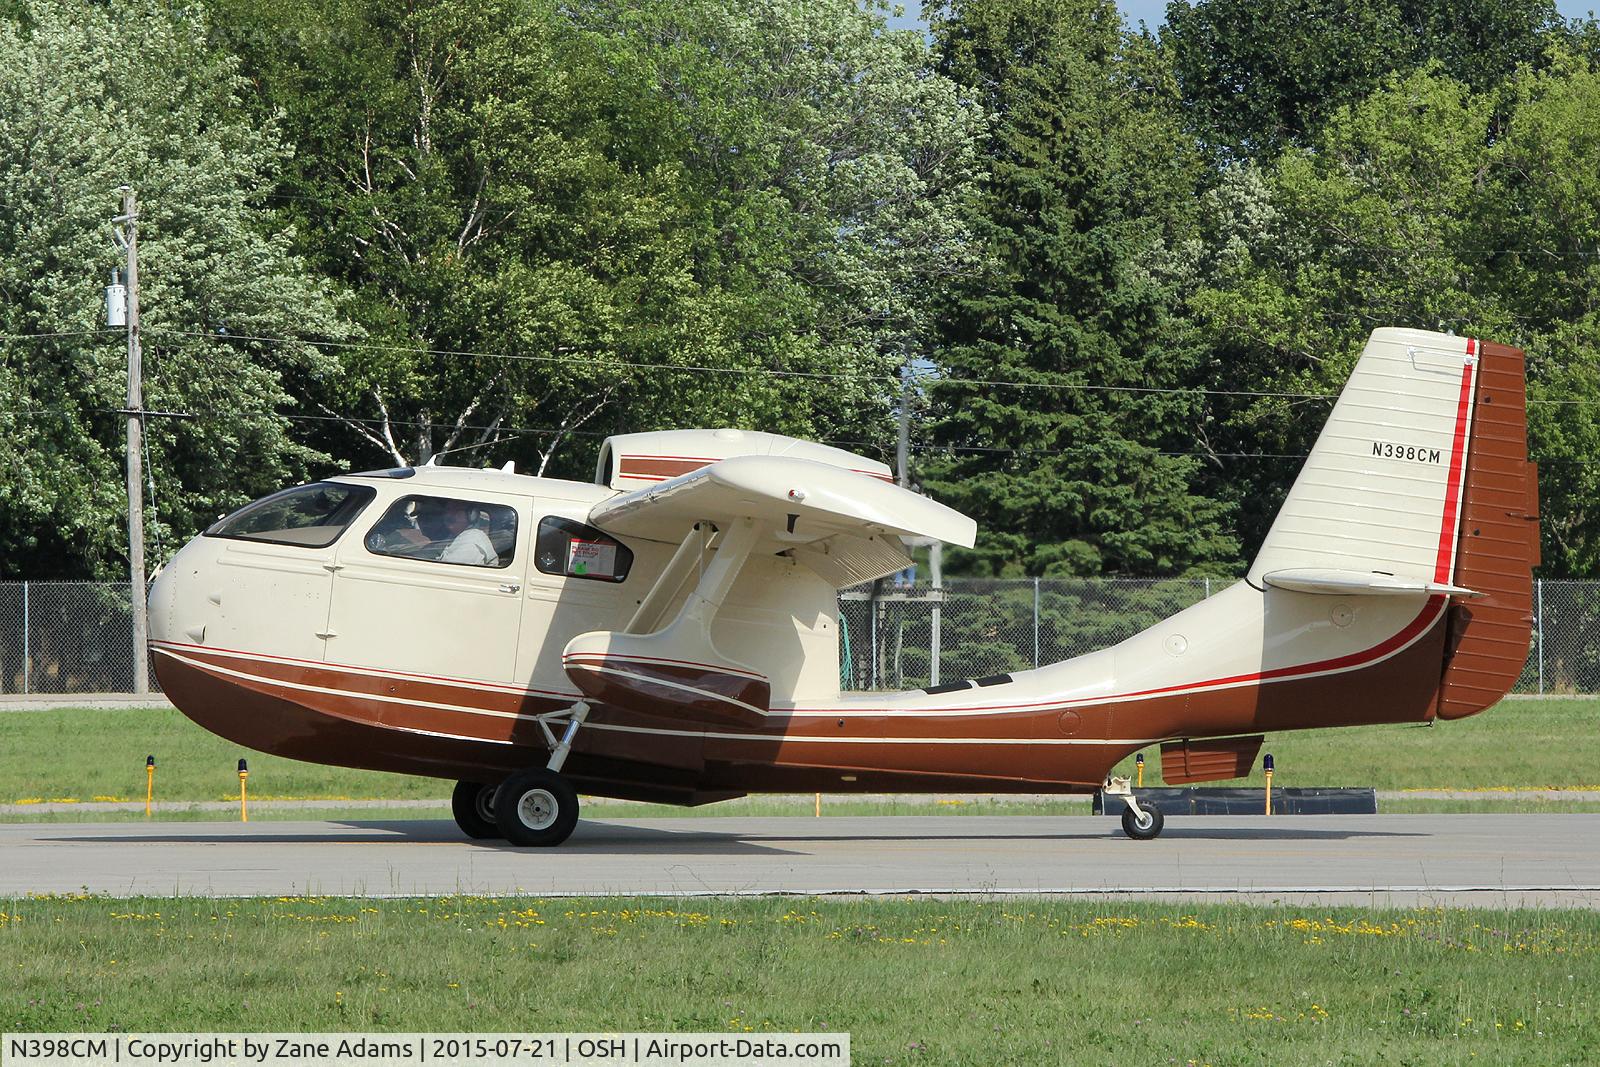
x=1144 y=824
x=536 y=807
x=472 y=803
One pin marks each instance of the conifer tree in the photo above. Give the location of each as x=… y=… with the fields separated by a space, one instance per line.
x=1069 y=464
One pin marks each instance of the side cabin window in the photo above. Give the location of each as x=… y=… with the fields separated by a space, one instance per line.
x=575 y=550
x=446 y=530
x=309 y=516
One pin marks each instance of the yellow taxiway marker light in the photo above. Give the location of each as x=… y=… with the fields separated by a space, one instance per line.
x=819 y=805
x=244 y=809
x=1266 y=765
x=149 y=783
x=1138 y=769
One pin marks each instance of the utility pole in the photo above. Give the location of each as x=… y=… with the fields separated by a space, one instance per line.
x=902 y=452
x=935 y=548
x=129 y=220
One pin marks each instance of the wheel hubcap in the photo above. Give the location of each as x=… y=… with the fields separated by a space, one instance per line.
x=1143 y=820
x=537 y=809
x=485 y=803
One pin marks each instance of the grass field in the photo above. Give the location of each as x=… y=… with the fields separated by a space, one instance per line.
x=914 y=981
x=85 y=755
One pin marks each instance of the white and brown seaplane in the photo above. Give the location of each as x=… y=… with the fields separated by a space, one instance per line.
x=670 y=632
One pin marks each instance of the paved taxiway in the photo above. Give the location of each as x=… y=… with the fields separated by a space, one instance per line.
x=1492 y=860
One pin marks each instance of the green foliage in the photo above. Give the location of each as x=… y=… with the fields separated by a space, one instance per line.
x=1425 y=205
x=1257 y=77
x=90 y=99
x=724 y=188
x=505 y=229
x=1089 y=193
x=88 y=102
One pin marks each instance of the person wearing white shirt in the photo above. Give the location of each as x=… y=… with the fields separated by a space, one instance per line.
x=468 y=544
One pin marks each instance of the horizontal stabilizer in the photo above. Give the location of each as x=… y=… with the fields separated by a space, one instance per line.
x=1358 y=583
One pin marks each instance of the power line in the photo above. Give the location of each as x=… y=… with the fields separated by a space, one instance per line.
x=921 y=449
x=933 y=379
x=756 y=371
x=418 y=350
x=1187 y=391
x=53 y=333
x=1345 y=246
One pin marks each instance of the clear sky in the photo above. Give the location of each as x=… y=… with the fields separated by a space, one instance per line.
x=1152 y=11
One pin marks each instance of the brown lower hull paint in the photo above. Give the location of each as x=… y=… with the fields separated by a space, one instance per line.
x=1451 y=660
x=326 y=714
x=1489 y=636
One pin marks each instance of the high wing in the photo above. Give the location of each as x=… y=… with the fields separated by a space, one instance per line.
x=844 y=525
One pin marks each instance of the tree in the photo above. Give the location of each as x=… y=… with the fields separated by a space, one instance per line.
x=563 y=219
x=1065 y=385
x=90 y=100
x=1540 y=213
x=1258 y=76
x=1424 y=204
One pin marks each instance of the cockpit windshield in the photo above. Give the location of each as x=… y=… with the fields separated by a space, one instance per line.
x=310 y=516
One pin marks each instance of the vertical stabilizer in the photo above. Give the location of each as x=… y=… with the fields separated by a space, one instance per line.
x=1381 y=491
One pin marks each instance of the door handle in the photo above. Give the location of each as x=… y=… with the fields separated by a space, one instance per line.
x=509 y=587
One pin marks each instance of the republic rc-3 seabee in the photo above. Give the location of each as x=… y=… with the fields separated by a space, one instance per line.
x=670 y=632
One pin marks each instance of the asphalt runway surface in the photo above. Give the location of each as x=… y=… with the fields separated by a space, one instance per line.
x=1404 y=860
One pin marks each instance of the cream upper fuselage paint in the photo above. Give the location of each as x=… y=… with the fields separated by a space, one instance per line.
x=712 y=664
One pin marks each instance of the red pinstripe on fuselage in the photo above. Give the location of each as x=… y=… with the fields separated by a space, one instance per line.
x=360 y=711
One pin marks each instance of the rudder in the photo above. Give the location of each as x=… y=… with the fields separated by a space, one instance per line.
x=1489 y=636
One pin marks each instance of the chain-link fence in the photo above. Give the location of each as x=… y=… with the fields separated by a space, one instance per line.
x=909 y=636
x=76 y=637
x=66 y=637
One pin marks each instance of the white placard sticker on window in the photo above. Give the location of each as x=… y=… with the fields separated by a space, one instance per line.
x=592 y=559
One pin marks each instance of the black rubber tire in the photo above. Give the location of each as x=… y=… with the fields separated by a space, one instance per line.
x=536 y=808
x=1147 y=829
x=472 y=803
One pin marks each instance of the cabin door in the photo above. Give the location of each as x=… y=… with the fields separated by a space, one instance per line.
x=434 y=587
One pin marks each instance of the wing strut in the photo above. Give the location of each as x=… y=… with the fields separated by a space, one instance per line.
x=678 y=668
x=690 y=555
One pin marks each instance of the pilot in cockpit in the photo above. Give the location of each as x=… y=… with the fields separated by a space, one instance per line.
x=469 y=542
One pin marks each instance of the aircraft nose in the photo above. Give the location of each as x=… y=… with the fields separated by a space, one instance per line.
x=159 y=604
